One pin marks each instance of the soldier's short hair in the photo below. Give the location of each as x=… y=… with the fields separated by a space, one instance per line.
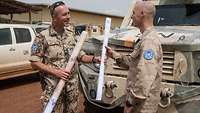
x=53 y=7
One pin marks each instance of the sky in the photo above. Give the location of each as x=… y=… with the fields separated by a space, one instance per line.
x=111 y=7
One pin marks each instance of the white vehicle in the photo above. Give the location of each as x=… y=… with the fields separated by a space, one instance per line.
x=15 y=48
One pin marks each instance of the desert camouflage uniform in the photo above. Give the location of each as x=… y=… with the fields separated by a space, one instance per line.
x=54 y=50
x=144 y=76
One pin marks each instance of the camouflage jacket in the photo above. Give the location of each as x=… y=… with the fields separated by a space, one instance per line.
x=54 y=50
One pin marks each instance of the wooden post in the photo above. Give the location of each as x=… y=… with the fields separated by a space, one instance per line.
x=11 y=18
x=30 y=19
x=127 y=18
x=70 y=64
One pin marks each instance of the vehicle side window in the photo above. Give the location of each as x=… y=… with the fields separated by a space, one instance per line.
x=22 y=35
x=5 y=36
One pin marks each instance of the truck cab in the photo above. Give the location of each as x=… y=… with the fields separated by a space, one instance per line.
x=15 y=48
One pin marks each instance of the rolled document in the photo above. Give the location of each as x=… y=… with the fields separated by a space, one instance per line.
x=103 y=56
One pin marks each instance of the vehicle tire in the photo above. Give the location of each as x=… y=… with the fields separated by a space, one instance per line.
x=90 y=108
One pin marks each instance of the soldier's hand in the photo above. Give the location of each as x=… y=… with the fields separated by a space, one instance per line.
x=97 y=59
x=109 y=51
x=61 y=73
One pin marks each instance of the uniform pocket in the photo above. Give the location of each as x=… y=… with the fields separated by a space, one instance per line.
x=55 y=50
x=69 y=46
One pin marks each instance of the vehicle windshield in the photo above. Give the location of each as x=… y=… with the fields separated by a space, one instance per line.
x=181 y=15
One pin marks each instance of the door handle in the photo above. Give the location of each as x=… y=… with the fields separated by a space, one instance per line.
x=25 y=52
x=12 y=49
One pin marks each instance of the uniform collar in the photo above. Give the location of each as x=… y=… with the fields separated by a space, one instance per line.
x=52 y=31
x=147 y=31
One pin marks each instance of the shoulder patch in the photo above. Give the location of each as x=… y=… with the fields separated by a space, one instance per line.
x=148 y=54
x=34 y=47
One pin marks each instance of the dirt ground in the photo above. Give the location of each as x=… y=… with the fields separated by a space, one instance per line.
x=21 y=95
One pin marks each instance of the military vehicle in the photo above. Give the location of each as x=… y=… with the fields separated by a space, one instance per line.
x=178 y=25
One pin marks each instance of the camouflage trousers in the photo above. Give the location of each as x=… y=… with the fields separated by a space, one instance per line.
x=68 y=99
x=150 y=105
